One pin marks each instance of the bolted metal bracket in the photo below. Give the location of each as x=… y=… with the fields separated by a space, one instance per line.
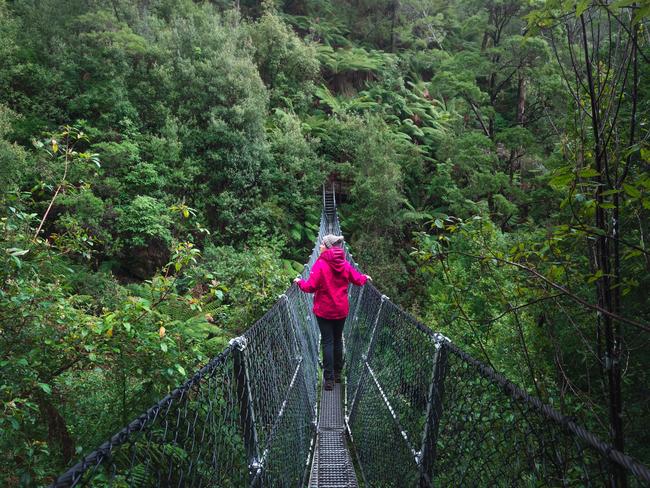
x=418 y=457
x=609 y=362
x=255 y=466
x=239 y=342
x=438 y=339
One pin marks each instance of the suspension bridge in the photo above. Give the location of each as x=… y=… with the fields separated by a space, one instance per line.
x=414 y=410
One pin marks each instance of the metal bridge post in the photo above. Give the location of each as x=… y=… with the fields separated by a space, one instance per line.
x=246 y=410
x=427 y=454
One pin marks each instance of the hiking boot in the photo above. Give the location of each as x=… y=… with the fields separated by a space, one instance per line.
x=329 y=385
x=337 y=376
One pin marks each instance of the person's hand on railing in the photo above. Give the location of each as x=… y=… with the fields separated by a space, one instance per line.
x=297 y=279
x=368 y=277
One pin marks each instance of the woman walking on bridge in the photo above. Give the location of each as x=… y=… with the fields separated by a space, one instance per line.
x=328 y=280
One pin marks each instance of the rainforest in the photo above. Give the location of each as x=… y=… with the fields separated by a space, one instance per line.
x=162 y=166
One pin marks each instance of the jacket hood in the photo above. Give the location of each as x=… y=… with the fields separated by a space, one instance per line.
x=335 y=258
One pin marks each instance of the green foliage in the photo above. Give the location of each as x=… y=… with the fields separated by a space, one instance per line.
x=91 y=355
x=340 y=61
x=378 y=179
x=296 y=171
x=245 y=283
x=11 y=155
x=287 y=65
x=143 y=221
x=447 y=126
x=329 y=30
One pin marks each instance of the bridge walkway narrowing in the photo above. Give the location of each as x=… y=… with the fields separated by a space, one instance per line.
x=332 y=466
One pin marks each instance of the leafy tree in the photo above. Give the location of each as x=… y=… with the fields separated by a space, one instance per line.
x=484 y=154
x=12 y=155
x=287 y=64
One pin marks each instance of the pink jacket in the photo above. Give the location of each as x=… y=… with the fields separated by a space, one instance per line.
x=328 y=279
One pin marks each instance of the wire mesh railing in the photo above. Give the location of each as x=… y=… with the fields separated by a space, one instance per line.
x=189 y=438
x=422 y=412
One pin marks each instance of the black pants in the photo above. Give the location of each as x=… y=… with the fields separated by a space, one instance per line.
x=331 y=339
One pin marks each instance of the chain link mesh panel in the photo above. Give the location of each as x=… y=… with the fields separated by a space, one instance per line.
x=191 y=438
x=358 y=334
x=428 y=414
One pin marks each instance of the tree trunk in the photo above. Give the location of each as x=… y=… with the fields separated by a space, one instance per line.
x=521 y=100
x=603 y=253
x=58 y=436
x=393 y=24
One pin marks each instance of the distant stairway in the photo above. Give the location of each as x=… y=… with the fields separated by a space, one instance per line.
x=329 y=207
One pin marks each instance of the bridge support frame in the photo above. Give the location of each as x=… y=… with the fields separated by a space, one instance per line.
x=247 y=421
x=427 y=455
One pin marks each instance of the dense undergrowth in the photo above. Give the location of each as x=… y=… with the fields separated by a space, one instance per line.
x=161 y=164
